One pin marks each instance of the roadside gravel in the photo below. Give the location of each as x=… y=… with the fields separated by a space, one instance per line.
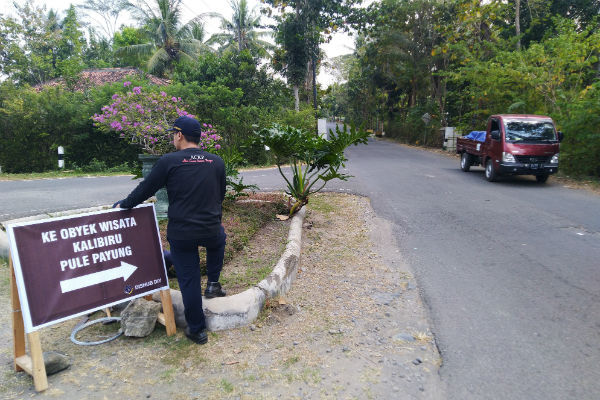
x=353 y=326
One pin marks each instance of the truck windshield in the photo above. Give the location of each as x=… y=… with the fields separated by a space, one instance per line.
x=529 y=131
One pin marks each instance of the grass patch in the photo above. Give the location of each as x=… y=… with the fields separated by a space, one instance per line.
x=589 y=183
x=422 y=337
x=291 y=361
x=176 y=348
x=5 y=277
x=242 y=221
x=61 y=174
x=167 y=375
x=311 y=375
x=249 y=277
x=226 y=386
x=319 y=202
x=98 y=331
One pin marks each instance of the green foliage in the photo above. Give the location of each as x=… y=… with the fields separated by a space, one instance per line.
x=34 y=123
x=37 y=47
x=546 y=78
x=235 y=71
x=314 y=160
x=241 y=31
x=581 y=146
x=98 y=53
x=143 y=118
x=302 y=27
x=237 y=96
x=96 y=166
x=393 y=73
x=293 y=35
x=106 y=11
x=28 y=45
x=125 y=37
x=171 y=41
x=458 y=61
x=536 y=17
x=304 y=119
x=233 y=160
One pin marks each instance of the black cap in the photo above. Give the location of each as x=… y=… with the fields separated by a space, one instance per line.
x=188 y=126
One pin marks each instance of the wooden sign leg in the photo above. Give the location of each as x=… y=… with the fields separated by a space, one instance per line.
x=17 y=318
x=40 y=380
x=167 y=317
x=34 y=364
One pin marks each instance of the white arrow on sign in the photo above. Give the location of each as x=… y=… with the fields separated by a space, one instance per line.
x=124 y=271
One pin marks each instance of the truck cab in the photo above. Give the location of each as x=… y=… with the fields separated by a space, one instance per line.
x=515 y=144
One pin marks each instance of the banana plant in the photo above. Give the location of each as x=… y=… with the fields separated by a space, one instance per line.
x=313 y=160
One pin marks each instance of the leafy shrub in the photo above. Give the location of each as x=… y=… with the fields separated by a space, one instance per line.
x=144 y=118
x=34 y=123
x=580 y=149
x=314 y=160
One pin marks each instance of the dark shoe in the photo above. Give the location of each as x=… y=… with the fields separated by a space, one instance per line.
x=213 y=289
x=199 y=337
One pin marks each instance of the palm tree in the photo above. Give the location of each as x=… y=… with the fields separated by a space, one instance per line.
x=241 y=32
x=169 y=42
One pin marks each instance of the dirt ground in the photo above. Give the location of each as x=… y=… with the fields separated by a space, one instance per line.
x=352 y=327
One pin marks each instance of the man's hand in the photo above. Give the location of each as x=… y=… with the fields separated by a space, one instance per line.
x=117 y=204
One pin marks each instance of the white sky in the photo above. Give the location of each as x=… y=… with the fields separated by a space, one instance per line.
x=341 y=43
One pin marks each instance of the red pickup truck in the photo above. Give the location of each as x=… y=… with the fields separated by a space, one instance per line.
x=513 y=144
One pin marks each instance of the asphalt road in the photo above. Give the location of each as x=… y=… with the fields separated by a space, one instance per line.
x=510 y=271
x=32 y=197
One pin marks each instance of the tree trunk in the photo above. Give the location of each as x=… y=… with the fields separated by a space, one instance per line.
x=314 y=82
x=518 y=23
x=296 y=99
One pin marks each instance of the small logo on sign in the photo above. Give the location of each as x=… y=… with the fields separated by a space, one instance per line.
x=128 y=289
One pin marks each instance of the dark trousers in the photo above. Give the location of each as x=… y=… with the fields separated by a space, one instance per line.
x=186 y=260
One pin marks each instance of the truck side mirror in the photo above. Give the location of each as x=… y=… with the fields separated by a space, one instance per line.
x=495 y=135
x=560 y=136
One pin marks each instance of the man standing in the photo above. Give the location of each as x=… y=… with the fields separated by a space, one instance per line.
x=195 y=181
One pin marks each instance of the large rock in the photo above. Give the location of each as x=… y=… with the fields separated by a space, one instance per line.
x=139 y=317
x=178 y=308
x=55 y=362
x=3 y=244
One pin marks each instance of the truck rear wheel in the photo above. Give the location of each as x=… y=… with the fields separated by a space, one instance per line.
x=490 y=173
x=541 y=178
x=465 y=161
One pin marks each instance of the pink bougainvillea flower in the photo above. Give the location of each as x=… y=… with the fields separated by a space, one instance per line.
x=143 y=118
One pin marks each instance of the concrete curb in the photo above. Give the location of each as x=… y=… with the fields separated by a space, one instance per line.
x=243 y=308
x=230 y=311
